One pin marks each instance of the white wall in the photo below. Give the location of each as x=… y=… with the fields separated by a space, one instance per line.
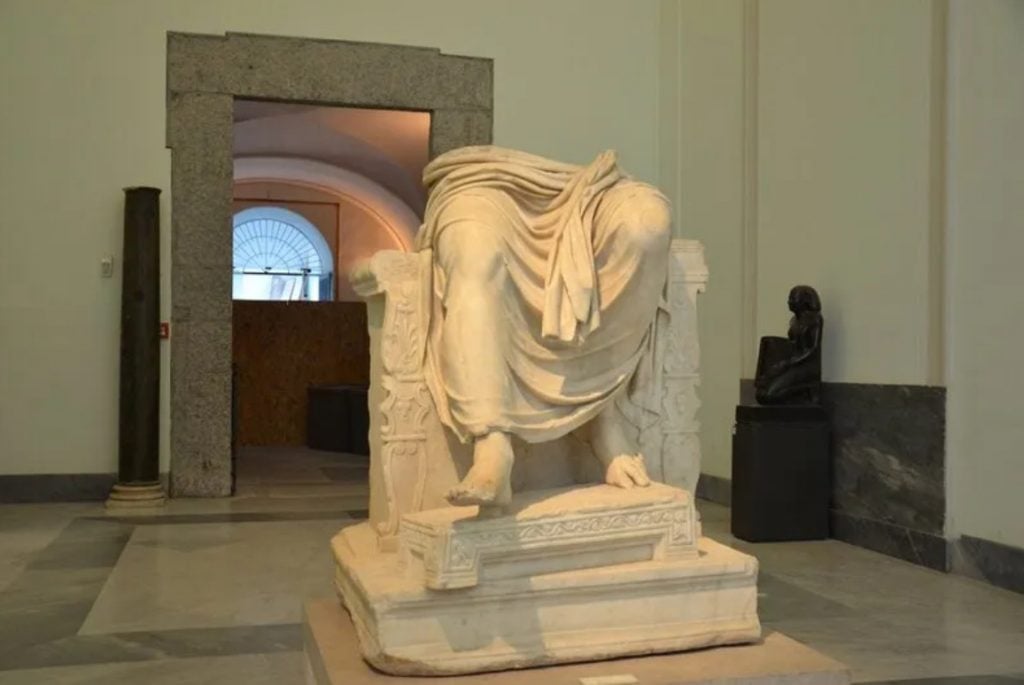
x=985 y=433
x=83 y=115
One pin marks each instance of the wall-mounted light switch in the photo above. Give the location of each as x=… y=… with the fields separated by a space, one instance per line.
x=107 y=266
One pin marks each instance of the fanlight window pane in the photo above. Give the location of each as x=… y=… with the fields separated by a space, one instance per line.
x=279 y=255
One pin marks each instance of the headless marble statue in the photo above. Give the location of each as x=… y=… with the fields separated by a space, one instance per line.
x=545 y=308
x=546 y=285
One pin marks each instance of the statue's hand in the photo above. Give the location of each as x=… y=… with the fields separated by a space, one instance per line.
x=627 y=471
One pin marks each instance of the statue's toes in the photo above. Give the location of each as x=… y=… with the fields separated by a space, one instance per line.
x=473 y=493
x=636 y=473
x=618 y=477
x=454 y=495
x=462 y=496
x=641 y=478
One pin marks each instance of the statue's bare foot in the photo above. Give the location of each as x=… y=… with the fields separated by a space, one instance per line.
x=627 y=471
x=488 y=482
x=609 y=437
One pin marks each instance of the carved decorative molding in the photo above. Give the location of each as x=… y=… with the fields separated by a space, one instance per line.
x=452 y=550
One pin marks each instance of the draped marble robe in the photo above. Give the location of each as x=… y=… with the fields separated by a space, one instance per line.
x=548 y=283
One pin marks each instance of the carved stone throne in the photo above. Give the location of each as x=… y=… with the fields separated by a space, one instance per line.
x=575 y=570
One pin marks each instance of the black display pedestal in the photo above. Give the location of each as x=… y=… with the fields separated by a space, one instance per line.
x=781 y=477
x=338 y=419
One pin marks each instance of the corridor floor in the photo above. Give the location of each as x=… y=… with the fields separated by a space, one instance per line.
x=210 y=591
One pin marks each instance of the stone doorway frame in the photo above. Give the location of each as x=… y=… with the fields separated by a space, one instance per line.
x=205 y=74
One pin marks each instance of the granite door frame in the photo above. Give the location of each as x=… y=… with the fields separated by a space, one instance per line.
x=205 y=73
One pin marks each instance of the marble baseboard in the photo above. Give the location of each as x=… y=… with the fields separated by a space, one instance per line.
x=714 y=489
x=888 y=451
x=56 y=487
x=996 y=563
x=910 y=545
x=888 y=467
x=59 y=487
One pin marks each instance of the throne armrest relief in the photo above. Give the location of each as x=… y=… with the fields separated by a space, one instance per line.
x=678 y=444
x=392 y=282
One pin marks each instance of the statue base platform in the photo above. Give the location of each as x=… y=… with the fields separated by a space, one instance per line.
x=332 y=658
x=581 y=574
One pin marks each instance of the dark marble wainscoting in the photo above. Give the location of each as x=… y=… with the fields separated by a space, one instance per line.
x=898 y=541
x=56 y=487
x=888 y=468
x=714 y=489
x=996 y=563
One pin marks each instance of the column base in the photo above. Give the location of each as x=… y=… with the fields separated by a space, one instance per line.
x=136 y=496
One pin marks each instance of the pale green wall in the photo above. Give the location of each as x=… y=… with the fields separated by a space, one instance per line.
x=804 y=152
x=702 y=172
x=826 y=175
x=985 y=435
x=843 y=167
x=83 y=115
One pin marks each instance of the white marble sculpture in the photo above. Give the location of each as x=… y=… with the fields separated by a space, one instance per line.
x=534 y=368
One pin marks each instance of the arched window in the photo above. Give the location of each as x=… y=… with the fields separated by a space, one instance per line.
x=279 y=255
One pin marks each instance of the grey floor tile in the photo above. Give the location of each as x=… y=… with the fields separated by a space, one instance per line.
x=346 y=474
x=779 y=600
x=52 y=596
x=985 y=679
x=280 y=668
x=209 y=591
x=149 y=645
x=25 y=529
x=214 y=575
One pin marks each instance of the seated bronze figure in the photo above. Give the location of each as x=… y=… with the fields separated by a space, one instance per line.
x=789 y=369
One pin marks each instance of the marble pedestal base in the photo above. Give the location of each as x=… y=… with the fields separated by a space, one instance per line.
x=332 y=658
x=576 y=575
x=136 y=496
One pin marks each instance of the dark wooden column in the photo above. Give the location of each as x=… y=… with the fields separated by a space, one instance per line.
x=138 y=462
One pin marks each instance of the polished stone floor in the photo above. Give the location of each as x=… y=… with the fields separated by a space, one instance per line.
x=210 y=591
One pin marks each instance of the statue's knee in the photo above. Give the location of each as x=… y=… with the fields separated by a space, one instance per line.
x=652 y=220
x=646 y=218
x=471 y=252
